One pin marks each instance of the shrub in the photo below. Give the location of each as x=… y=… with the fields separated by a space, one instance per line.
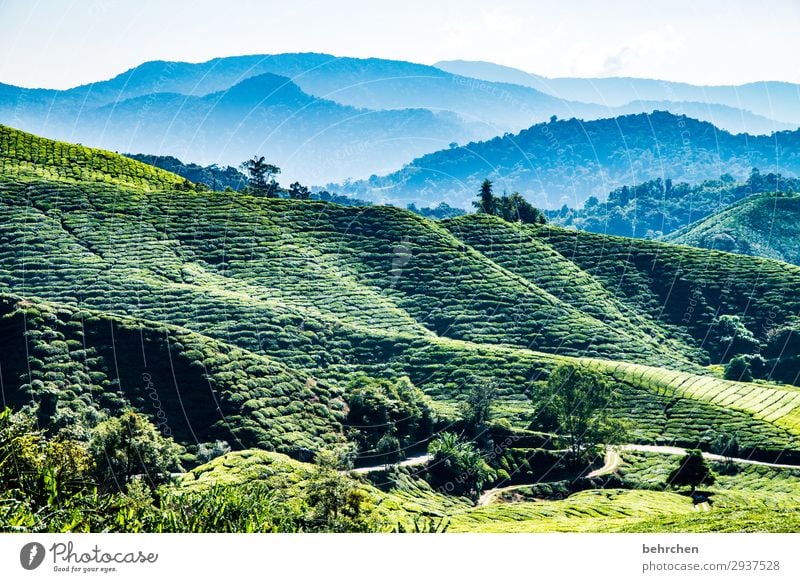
x=738 y=368
x=130 y=445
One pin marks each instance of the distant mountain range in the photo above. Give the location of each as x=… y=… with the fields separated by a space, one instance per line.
x=771 y=100
x=319 y=117
x=567 y=161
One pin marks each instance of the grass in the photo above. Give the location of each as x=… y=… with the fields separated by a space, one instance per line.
x=593 y=510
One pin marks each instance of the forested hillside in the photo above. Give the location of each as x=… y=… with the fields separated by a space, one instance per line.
x=660 y=207
x=568 y=161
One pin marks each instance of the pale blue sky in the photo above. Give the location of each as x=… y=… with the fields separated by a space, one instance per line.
x=62 y=43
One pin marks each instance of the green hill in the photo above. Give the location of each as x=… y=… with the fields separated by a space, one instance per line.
x=27 y=155
x=660 y=207
x=223 y=316
x=764 y=225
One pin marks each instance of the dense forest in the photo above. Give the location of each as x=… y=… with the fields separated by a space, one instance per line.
x=568 y=161
x=659 y=207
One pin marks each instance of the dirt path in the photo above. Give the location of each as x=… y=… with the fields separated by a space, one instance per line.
x=409 y=462
x=611 y=464
x=665 y=450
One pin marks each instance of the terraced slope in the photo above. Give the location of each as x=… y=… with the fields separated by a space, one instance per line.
x=683 y=288
x=372 y=268
x=262 y=309
x=77 y=364
x=763 y=225
x=519 y=249
x=25 y=154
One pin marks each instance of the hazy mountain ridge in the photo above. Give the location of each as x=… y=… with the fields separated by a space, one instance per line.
x=774 y=100
x=297 y=118
x=567 y=161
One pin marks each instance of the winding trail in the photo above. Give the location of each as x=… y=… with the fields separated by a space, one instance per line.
x=611 y=464
x=665 y=450
x=409 y=462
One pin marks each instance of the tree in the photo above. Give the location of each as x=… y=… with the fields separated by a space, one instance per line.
x=729 y=338
x=476 y=410
x=45 y=472
x=738 y=369
x=486 y=203
x=692 y=471
x=337 y=502
x=388 y=448
x=209 y=451
x=299 y=192
x=577 y=399
x=726 y=444
x=515 y=208
x=129 y=445
x=377 y=406
x=784 y=341
x=261 y=176
x=457 y=465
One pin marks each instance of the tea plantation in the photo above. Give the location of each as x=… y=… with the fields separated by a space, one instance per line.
x=244 y=322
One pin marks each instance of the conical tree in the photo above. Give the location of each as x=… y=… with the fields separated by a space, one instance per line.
x=486 y=202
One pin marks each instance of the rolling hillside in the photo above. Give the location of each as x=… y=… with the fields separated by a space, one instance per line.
x=660 y=207
x=392 y=294
x=567 y=161
x=252 y=322
x=763 y=225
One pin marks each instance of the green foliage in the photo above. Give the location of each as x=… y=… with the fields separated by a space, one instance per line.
x=26 y=155
x=738 y=368
x=339 y=504
x=261 y=176
x=457 y=466
x=582 y=157
x=208 y=451
x=213 y=176
x=660 y=207
x=692 y=471
x=764 y=223
x=292 y=326
x=729 y=337
x=298 y=192
x=578 y=401
x=783 y=340
x=486 y=202
x=513 y=208
x=130 y=446
x=387 y=416
x=476 y=410
x=439 y=212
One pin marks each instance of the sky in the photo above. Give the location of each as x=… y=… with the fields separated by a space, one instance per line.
x=64 y=43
